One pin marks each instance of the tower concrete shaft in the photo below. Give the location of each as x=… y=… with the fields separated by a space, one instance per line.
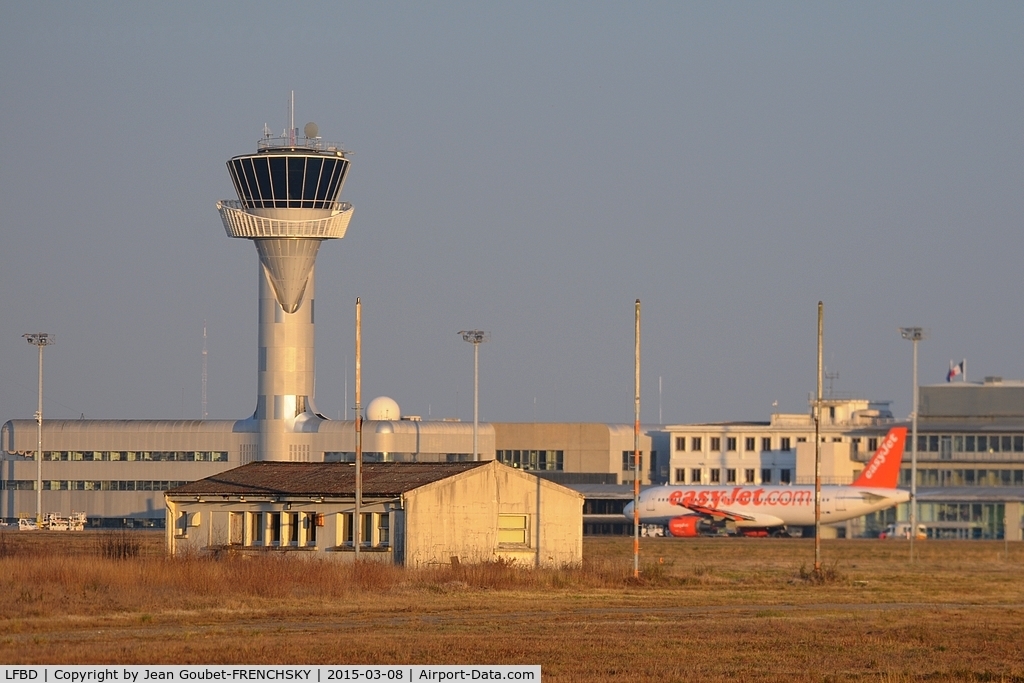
x=287 y=205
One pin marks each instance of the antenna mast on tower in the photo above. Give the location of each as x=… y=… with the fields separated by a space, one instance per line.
x=204 y=370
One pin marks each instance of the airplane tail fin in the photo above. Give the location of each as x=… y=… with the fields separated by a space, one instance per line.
x=883 y=470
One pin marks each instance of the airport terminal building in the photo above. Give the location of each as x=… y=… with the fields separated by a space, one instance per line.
x=970 y=456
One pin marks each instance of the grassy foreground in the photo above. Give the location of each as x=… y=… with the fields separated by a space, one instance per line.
x=704 y=609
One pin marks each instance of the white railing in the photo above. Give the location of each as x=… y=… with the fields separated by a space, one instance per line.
x=300 y=142
x=239 y=223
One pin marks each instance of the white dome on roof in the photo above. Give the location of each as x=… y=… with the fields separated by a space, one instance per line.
x=383 y=408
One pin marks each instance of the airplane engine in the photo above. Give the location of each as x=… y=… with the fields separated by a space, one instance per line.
x=686 y=526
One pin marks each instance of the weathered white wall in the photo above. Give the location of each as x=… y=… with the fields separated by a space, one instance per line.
x=458 y=517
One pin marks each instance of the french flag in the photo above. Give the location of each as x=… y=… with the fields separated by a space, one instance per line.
x=956 y=370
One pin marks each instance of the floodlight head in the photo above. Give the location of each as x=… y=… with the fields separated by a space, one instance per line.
x=912 y=333
x=475 y=336
x=40 y=339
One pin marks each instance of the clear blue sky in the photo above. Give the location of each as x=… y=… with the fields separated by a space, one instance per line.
x=528 y=169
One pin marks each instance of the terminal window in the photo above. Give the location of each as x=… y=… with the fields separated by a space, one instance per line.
x=695 y=476
x=730 y=443
x=785 y=477
x=766 y=475
x=716 y=476
x=92 y=485
x=681 y=475
x=680 y=443
x=730 y=476
x=784 y=444
x=748 y=476
x=627 y=461
x=695 y=443
x=716 y=443
x=533 y=460
x=766 y=443
x=750 y=443
x=136 y=456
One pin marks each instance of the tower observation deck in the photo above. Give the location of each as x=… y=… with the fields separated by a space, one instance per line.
x=287 y=205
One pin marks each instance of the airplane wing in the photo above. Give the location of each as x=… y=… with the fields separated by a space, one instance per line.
x=716 y=513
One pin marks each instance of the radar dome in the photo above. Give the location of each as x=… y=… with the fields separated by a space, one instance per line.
x=311 y=130
x=383 y=408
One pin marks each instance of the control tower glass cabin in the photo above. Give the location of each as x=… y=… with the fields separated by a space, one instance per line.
x=287 y=205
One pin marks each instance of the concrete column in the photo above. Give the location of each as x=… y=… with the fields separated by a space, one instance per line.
x=1013 y=530
x=286 y=369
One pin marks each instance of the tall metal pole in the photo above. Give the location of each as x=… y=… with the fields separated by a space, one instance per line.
x=636 y=443
x=476 y=338
x=39 y=339
x=357 y=516
x=913 y=460
x=817 y=447
x=914 y=334
x=205 y=414
x=476 y=402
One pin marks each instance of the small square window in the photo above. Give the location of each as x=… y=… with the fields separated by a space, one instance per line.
x=512 y=530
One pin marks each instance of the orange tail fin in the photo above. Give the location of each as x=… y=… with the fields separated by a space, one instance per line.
x=883 y=470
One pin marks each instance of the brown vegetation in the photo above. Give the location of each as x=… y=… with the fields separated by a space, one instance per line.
x=709 y=609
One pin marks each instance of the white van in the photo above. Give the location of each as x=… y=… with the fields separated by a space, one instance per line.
x=902 y=530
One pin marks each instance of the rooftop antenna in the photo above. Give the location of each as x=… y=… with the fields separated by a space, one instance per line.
x=831 y=376
x=291 y=119
x=204 y=371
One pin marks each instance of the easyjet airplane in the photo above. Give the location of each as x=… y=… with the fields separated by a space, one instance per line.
x=763 y=510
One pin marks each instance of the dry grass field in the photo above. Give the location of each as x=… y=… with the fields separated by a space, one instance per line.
x=705 y=609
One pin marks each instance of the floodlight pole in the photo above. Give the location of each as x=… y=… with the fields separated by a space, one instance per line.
x=636 y=442
x=476 y=338
x=817 y=448
x=914 y=334
x=39 y=339
x=357 y=512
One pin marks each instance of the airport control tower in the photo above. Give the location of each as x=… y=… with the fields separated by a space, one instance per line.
x=287 y=205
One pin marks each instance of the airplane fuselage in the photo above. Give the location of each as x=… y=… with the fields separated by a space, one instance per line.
x=765 y=506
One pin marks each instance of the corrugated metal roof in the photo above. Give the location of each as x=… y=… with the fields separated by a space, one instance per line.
x=323 y=478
